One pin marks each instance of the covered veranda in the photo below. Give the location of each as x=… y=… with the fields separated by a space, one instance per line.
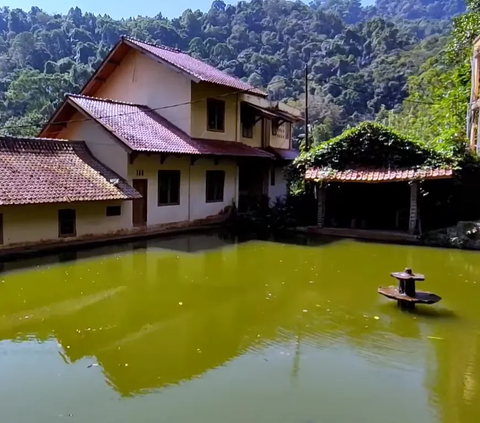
x=381 y=204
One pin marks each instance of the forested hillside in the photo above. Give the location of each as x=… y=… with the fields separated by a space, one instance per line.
x=360 y=58
x=436 y=108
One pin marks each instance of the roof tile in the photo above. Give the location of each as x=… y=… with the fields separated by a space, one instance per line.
x=143 y=129
x=40 y=170
x=195 y=67
x=376 y=175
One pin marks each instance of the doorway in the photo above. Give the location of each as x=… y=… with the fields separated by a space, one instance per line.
x=252 y=187
x=140 y=204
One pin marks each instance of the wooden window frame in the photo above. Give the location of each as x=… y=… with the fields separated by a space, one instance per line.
x=111 y=211
x=213 y=102
x=61 y=234
x=211 y=177
x=168 y=174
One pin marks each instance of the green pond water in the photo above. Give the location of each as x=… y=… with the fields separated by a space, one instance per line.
x=201 y=329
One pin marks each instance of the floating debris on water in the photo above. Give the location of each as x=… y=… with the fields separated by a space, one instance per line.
x=376 y=317
x=435 y=337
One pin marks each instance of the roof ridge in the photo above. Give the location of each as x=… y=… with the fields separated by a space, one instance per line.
x=162 y=46
x=204 y=63
x=105 y=100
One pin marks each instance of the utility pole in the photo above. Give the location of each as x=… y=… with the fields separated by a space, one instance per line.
x=307 y=146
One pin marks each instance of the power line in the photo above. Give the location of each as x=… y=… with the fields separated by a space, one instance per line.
x=186 y=103
x=278 y=80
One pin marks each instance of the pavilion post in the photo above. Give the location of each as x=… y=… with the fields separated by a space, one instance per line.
x=412 y=223
x=321 y=206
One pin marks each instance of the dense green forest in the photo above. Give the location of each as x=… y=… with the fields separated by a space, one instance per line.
x=377 y=62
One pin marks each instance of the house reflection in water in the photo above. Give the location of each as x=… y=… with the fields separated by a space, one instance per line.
x=156 y=317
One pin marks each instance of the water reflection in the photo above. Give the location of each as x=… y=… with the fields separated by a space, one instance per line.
x=156 y=315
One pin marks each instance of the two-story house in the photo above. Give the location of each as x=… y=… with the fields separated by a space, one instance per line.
x=189 y=138
x=178 y=137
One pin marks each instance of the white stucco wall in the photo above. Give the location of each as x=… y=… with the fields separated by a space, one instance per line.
x=199 y=207
x=283 y=138
x=200 y=93
x=193 y=205
x=142 y=80
x=35 y=223
x=280 y=187
x=256 y=140
x=103 y=146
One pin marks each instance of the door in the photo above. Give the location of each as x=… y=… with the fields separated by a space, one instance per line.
x=140 y=204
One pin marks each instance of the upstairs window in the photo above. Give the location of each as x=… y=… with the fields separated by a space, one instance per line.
x=215 y=186
x=215 y=115
x=288 y=130
x=274 y=127
x=67 y=223
x=168 y=187
x=248 y=121
x=247 y=130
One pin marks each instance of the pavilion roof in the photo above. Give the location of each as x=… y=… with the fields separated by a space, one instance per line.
x=377 y=175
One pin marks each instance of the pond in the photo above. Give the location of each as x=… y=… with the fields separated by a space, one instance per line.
x=200 y=329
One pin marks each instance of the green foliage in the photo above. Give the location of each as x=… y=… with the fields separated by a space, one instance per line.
x=374 y=146
x=439 y=95
x=359 y=58
x=370 y=145
x=282 y=214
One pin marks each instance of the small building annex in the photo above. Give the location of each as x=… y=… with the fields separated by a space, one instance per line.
x=53 y=190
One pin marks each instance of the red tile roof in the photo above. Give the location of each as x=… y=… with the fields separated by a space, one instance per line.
x=40 y=170
x=194 y=67
x=376 y=175
x=144 y=130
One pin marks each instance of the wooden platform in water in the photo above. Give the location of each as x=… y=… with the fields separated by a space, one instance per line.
x=421 y=297
x=386 y=236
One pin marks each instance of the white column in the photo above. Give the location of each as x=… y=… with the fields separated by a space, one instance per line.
x=412 y=223
x=321 y=206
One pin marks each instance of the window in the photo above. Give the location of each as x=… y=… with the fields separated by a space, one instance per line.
x=215 y=115
x=114 y=211
x=272 y=177
x=215 y=186
x=248 y=121
x=67 y=223
x=168 y=187
x=274 y=127
x=288 y=130
x=247 y=130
